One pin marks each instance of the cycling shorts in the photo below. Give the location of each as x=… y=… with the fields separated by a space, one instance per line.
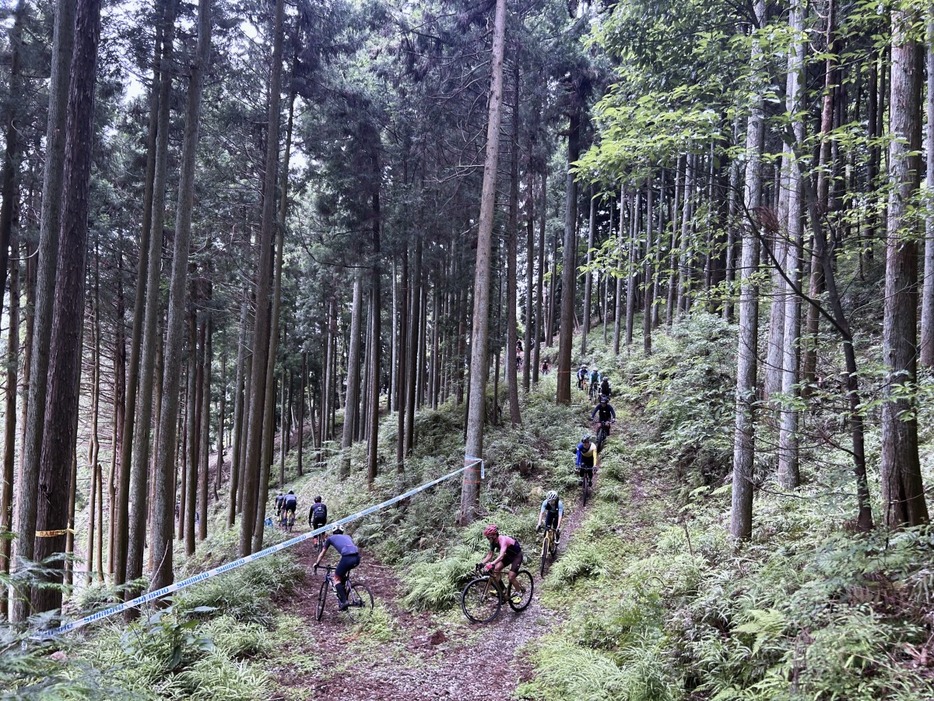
x=347 y=563
x=513 y=558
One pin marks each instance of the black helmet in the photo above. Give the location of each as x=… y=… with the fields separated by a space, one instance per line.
x=338 y=531
x=291 y=492
x=604 y=399
x=317 y=499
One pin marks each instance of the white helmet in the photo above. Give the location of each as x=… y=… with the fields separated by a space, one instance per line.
x=551 y=496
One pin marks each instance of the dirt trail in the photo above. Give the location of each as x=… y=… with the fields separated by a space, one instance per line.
x=429 y=656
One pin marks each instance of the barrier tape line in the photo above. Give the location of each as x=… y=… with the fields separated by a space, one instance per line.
x=221 y=569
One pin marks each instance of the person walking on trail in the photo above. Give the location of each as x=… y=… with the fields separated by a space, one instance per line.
x=279 y=497
x=552 y=513
x=350 y=558
x=510 y=553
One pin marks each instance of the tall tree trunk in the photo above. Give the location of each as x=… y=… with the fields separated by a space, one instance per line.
x=788 y=453
x=192 y=432
x=164 y=469
x=252 y=466
x=59 y=427
x=512 y=266
x=301 y=414
x=470 y=488
x=236 y=452
x=902 y=489
x=9 y=430
x=618 y=301
x=588 y=276
x=411 y=352
x=531 y=344
x=137 y=434
x=11 y=154
x=648 y=273
x=632 y=278
x=401 y=359
x=352 y=404
x=927 y=294
x=568 y=274
x=744 y=434
x=50 y=217
x=540 y=330
x=373 y=369
x=204 y=445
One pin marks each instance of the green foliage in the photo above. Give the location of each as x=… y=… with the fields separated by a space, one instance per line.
x=235 y=594
x=437 y=585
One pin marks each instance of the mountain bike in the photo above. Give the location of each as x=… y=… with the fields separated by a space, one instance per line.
x=358 y=596
x=485 y=594
x=586 y=474
x=602 y=434
x=288 y=521
x=549 y=548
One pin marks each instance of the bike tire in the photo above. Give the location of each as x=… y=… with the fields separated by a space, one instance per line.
x=322 y=600
x=585 y=488
x=361 y=602
x=541 y=570
x=480 y=600
x=525 y=577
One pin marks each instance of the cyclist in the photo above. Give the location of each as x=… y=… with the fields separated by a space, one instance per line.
x=510 y=553
x=552 y=512
x=604 y=412
x=587 y=456
x=594 y=382
x=581 y=376
x=350 y=558
x=289 y=504
x=279 y=497
x=317 y=514
x=605 y=387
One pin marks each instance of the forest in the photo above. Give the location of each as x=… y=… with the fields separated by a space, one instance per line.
x=346 y=247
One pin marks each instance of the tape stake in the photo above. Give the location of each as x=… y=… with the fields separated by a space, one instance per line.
x=227 y=567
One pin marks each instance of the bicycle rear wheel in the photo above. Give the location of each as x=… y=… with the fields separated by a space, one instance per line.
x=517 y=601
x=322 y=600
x=361 y=602
x=480 y=600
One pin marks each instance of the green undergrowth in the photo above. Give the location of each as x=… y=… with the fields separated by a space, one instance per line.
x=660 y=605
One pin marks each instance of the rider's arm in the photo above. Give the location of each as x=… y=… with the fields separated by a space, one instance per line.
x=612 y=411
x=541 y=515
x=594 y=412
x=560 y=514
x=579 y=458
x=327 y=544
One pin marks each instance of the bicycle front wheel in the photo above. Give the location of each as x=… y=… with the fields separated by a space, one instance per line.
x=361 y=602
x=480 y=600
x=322 y=600
x=545 y=550
x=520 y=601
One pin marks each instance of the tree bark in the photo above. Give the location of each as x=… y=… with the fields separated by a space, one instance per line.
x=568 y=273
x=252 y=467
x=744 y=434
x=50 y=217
x=59 y=427
x=902 y=489
x=164 y=470
x=470 y=489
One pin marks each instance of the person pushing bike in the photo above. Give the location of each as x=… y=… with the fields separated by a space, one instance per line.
x=350 y=558
x=510 y=553
x=552 y=513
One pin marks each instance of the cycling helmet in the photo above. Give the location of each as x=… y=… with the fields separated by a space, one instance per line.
x=338 y=531
x=551 y=496
x=317 y=500
x=585 y=439
x=291 y=492
x=604 y=399
x=490 y=530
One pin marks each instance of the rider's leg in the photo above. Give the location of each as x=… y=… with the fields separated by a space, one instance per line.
x=513 y=571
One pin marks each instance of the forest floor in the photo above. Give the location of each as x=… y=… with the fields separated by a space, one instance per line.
x=427 y=656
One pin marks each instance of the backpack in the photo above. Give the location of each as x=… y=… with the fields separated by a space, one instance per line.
x=319 y=512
